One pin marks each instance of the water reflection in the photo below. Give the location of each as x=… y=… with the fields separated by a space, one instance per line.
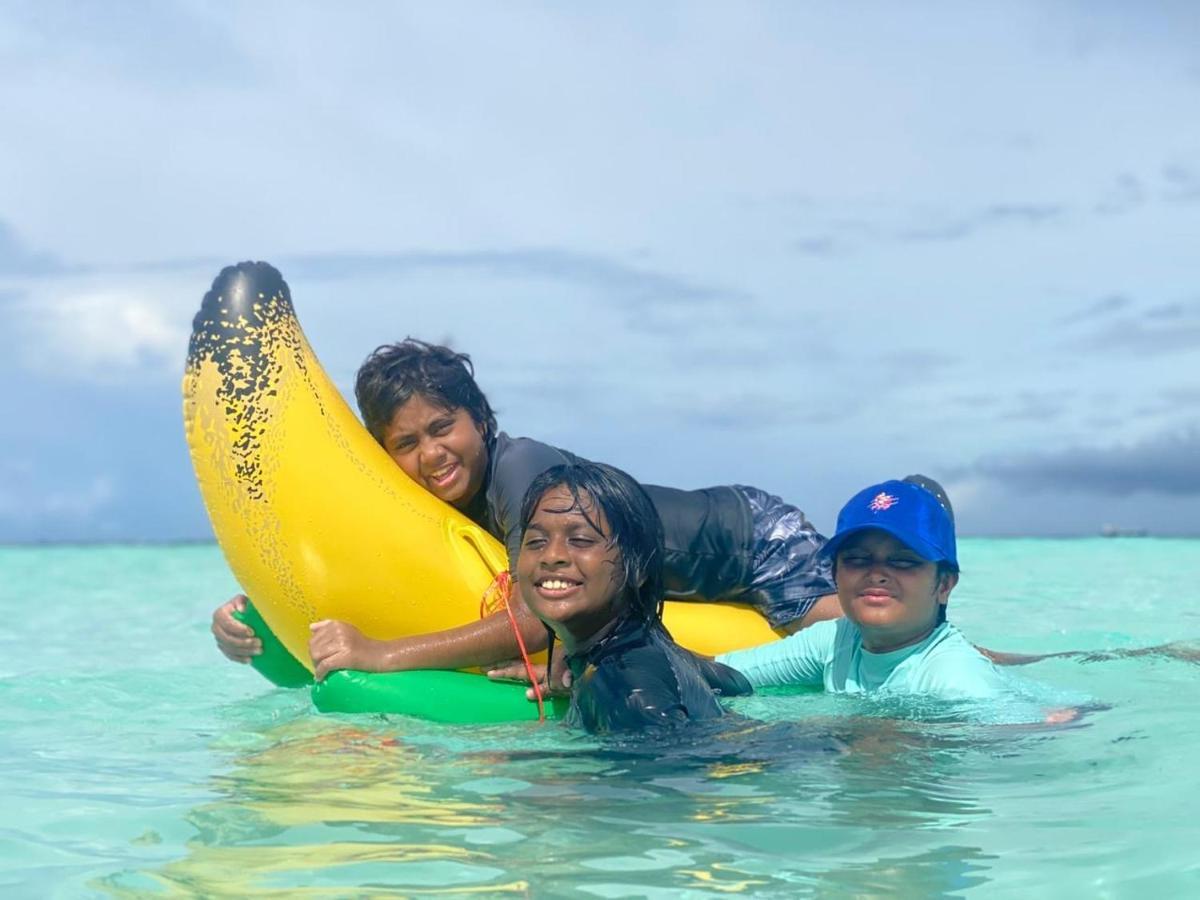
x=319 y=807
x=324 y=808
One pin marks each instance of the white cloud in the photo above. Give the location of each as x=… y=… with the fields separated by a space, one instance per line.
x=102 y=333
x=81 y=503
x=25 y=501
x=881 y=213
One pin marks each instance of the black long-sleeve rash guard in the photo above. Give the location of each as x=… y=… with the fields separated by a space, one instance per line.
x=708 y=533
x=637 y=678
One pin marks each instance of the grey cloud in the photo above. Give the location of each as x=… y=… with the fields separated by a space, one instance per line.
x=1101 y=423
x=842 y=236
x=1164 y=328
x=909 y=366
x=996 y=215
x=824 y=416
x=1170 y=403
x=1133 y=336
x=1037 y=407
x=540 y=387
x=1182 y=183
x=1167 y=311
x=634 y=286
x=1182 y=396
x=18 y=259
x=975 y=400
x=748 y=412
x=186 y=46
x=1168 y=463
x=920 y=361
x=818 y=245
x=1102 y=307
x=1126 y=194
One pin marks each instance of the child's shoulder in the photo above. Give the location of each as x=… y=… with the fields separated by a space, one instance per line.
x=525 y=455
x=947 y=641
x=514 y=464
x=955 y=667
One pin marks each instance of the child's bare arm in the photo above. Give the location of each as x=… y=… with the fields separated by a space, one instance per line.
x=1179 y=650
x=339 y=645
x=827 y=607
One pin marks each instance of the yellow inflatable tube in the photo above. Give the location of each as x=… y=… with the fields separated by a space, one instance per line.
x=314 y=519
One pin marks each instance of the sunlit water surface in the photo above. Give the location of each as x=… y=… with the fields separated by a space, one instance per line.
x=134 y=761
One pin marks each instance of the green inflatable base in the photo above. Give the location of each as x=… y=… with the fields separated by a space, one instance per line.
x=438 y=696
x=275 y=663
x=435 y=695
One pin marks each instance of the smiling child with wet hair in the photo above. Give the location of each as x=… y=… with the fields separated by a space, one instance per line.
x=590 y=567
x=394 y=373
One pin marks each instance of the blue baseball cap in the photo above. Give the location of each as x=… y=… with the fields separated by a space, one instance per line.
x=908 y=512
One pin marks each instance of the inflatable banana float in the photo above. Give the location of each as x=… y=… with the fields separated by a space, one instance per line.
x=317 y=522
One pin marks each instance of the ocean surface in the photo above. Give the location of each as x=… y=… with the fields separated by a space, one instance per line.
x=135 y=761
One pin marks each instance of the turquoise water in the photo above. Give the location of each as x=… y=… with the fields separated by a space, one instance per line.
x=134 y=761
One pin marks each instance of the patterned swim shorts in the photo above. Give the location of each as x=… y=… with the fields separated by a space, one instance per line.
x=788 y=574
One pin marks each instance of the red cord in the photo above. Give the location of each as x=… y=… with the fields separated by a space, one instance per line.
x=495 y=598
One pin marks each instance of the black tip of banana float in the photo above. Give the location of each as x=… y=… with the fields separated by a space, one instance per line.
x=238 y=289
x=244 y=328
x=243 y=310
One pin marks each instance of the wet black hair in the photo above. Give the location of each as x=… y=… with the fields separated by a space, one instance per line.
x=934 y=488
x=944 y=568
x=390 y=376
x=634 y=526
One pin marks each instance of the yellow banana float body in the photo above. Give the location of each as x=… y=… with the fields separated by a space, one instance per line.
x=317 y=522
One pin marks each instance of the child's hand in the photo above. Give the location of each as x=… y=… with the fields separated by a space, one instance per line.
x=514 y=670
x=1062 y=716
x=235 y=639
x=339 y=645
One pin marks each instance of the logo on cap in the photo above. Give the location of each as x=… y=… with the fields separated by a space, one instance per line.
x=883 y=500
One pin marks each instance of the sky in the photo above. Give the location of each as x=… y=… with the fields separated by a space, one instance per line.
x=806 y=247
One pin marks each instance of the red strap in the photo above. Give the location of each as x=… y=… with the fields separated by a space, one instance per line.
x=495 y=598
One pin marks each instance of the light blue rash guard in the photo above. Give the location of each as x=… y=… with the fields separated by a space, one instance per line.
x=944 y=666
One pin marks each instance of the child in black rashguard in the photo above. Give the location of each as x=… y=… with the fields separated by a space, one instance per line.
x=590 y=566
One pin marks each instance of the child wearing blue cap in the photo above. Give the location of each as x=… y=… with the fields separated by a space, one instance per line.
x=895 y=564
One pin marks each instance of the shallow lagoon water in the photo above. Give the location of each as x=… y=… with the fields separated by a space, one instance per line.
x=134 y=761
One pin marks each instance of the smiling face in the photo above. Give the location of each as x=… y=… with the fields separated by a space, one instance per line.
x=888 y=591
x=442 y=450
x=569 y=573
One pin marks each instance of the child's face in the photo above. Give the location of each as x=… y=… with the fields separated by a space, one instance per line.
x=569 y=575
x=441 y=450
x=888 y=591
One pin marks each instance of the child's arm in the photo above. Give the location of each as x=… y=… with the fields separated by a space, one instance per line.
x=339 y=645
x=826 y=608
x=797 y=659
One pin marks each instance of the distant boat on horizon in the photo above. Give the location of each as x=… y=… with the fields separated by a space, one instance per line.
x=1112 y=531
